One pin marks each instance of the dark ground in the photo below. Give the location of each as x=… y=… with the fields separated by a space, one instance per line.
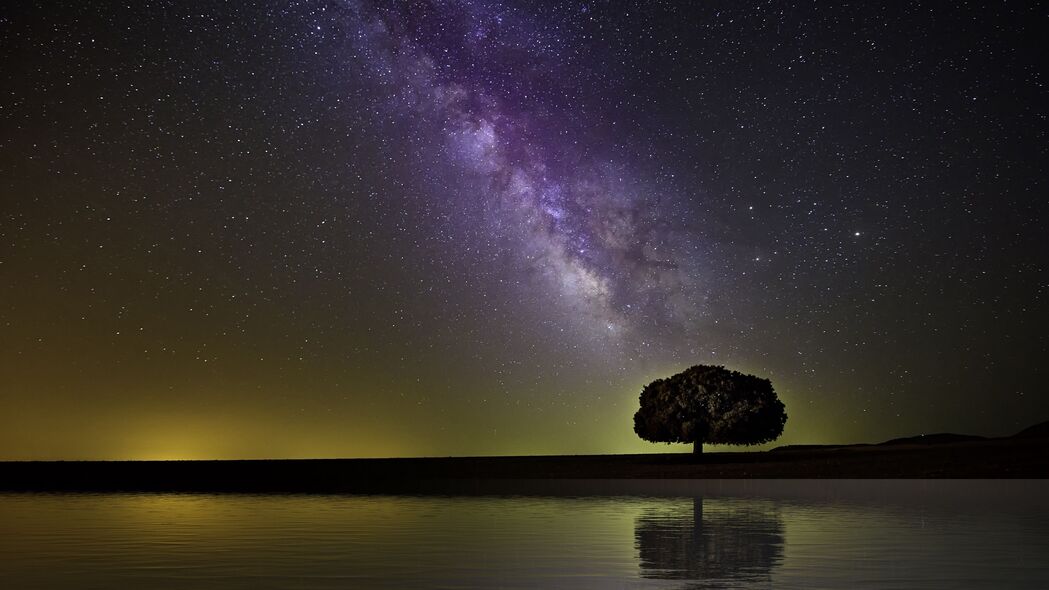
x=917 y=457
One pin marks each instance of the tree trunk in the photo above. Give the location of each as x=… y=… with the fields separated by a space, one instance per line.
x=697 y=448
x=697 y=521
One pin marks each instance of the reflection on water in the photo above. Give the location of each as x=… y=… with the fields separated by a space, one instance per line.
x=799 y=534
x=712 y=542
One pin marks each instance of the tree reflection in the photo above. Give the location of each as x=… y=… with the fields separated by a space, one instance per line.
x=713 y=544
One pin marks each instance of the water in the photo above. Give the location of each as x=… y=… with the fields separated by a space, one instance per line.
x=726 y=534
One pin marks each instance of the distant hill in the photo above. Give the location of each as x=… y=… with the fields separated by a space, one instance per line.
x=1037 y=430
x=933 y=439
x=1040 y=430
x=807 y=447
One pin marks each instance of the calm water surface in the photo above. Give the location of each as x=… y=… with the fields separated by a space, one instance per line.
x=728 y=534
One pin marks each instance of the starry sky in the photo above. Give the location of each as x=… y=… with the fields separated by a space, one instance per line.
x=469 y=227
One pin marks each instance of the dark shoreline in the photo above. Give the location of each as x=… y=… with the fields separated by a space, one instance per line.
x=989 y=458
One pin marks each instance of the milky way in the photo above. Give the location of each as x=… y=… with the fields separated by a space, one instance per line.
x=591 y=235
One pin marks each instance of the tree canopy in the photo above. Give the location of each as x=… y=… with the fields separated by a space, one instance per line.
x=710 y=404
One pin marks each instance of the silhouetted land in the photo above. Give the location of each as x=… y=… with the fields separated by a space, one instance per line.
x=1025 y=455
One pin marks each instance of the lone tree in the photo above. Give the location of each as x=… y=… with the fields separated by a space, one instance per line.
x=708 y=404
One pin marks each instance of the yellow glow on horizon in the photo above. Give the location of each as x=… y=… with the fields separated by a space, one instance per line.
x=232 y=427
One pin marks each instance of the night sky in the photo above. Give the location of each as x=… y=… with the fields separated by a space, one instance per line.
x=462 y=227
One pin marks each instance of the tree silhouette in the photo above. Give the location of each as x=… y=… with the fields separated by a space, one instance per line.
x=710 y=404
x=723 y=544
